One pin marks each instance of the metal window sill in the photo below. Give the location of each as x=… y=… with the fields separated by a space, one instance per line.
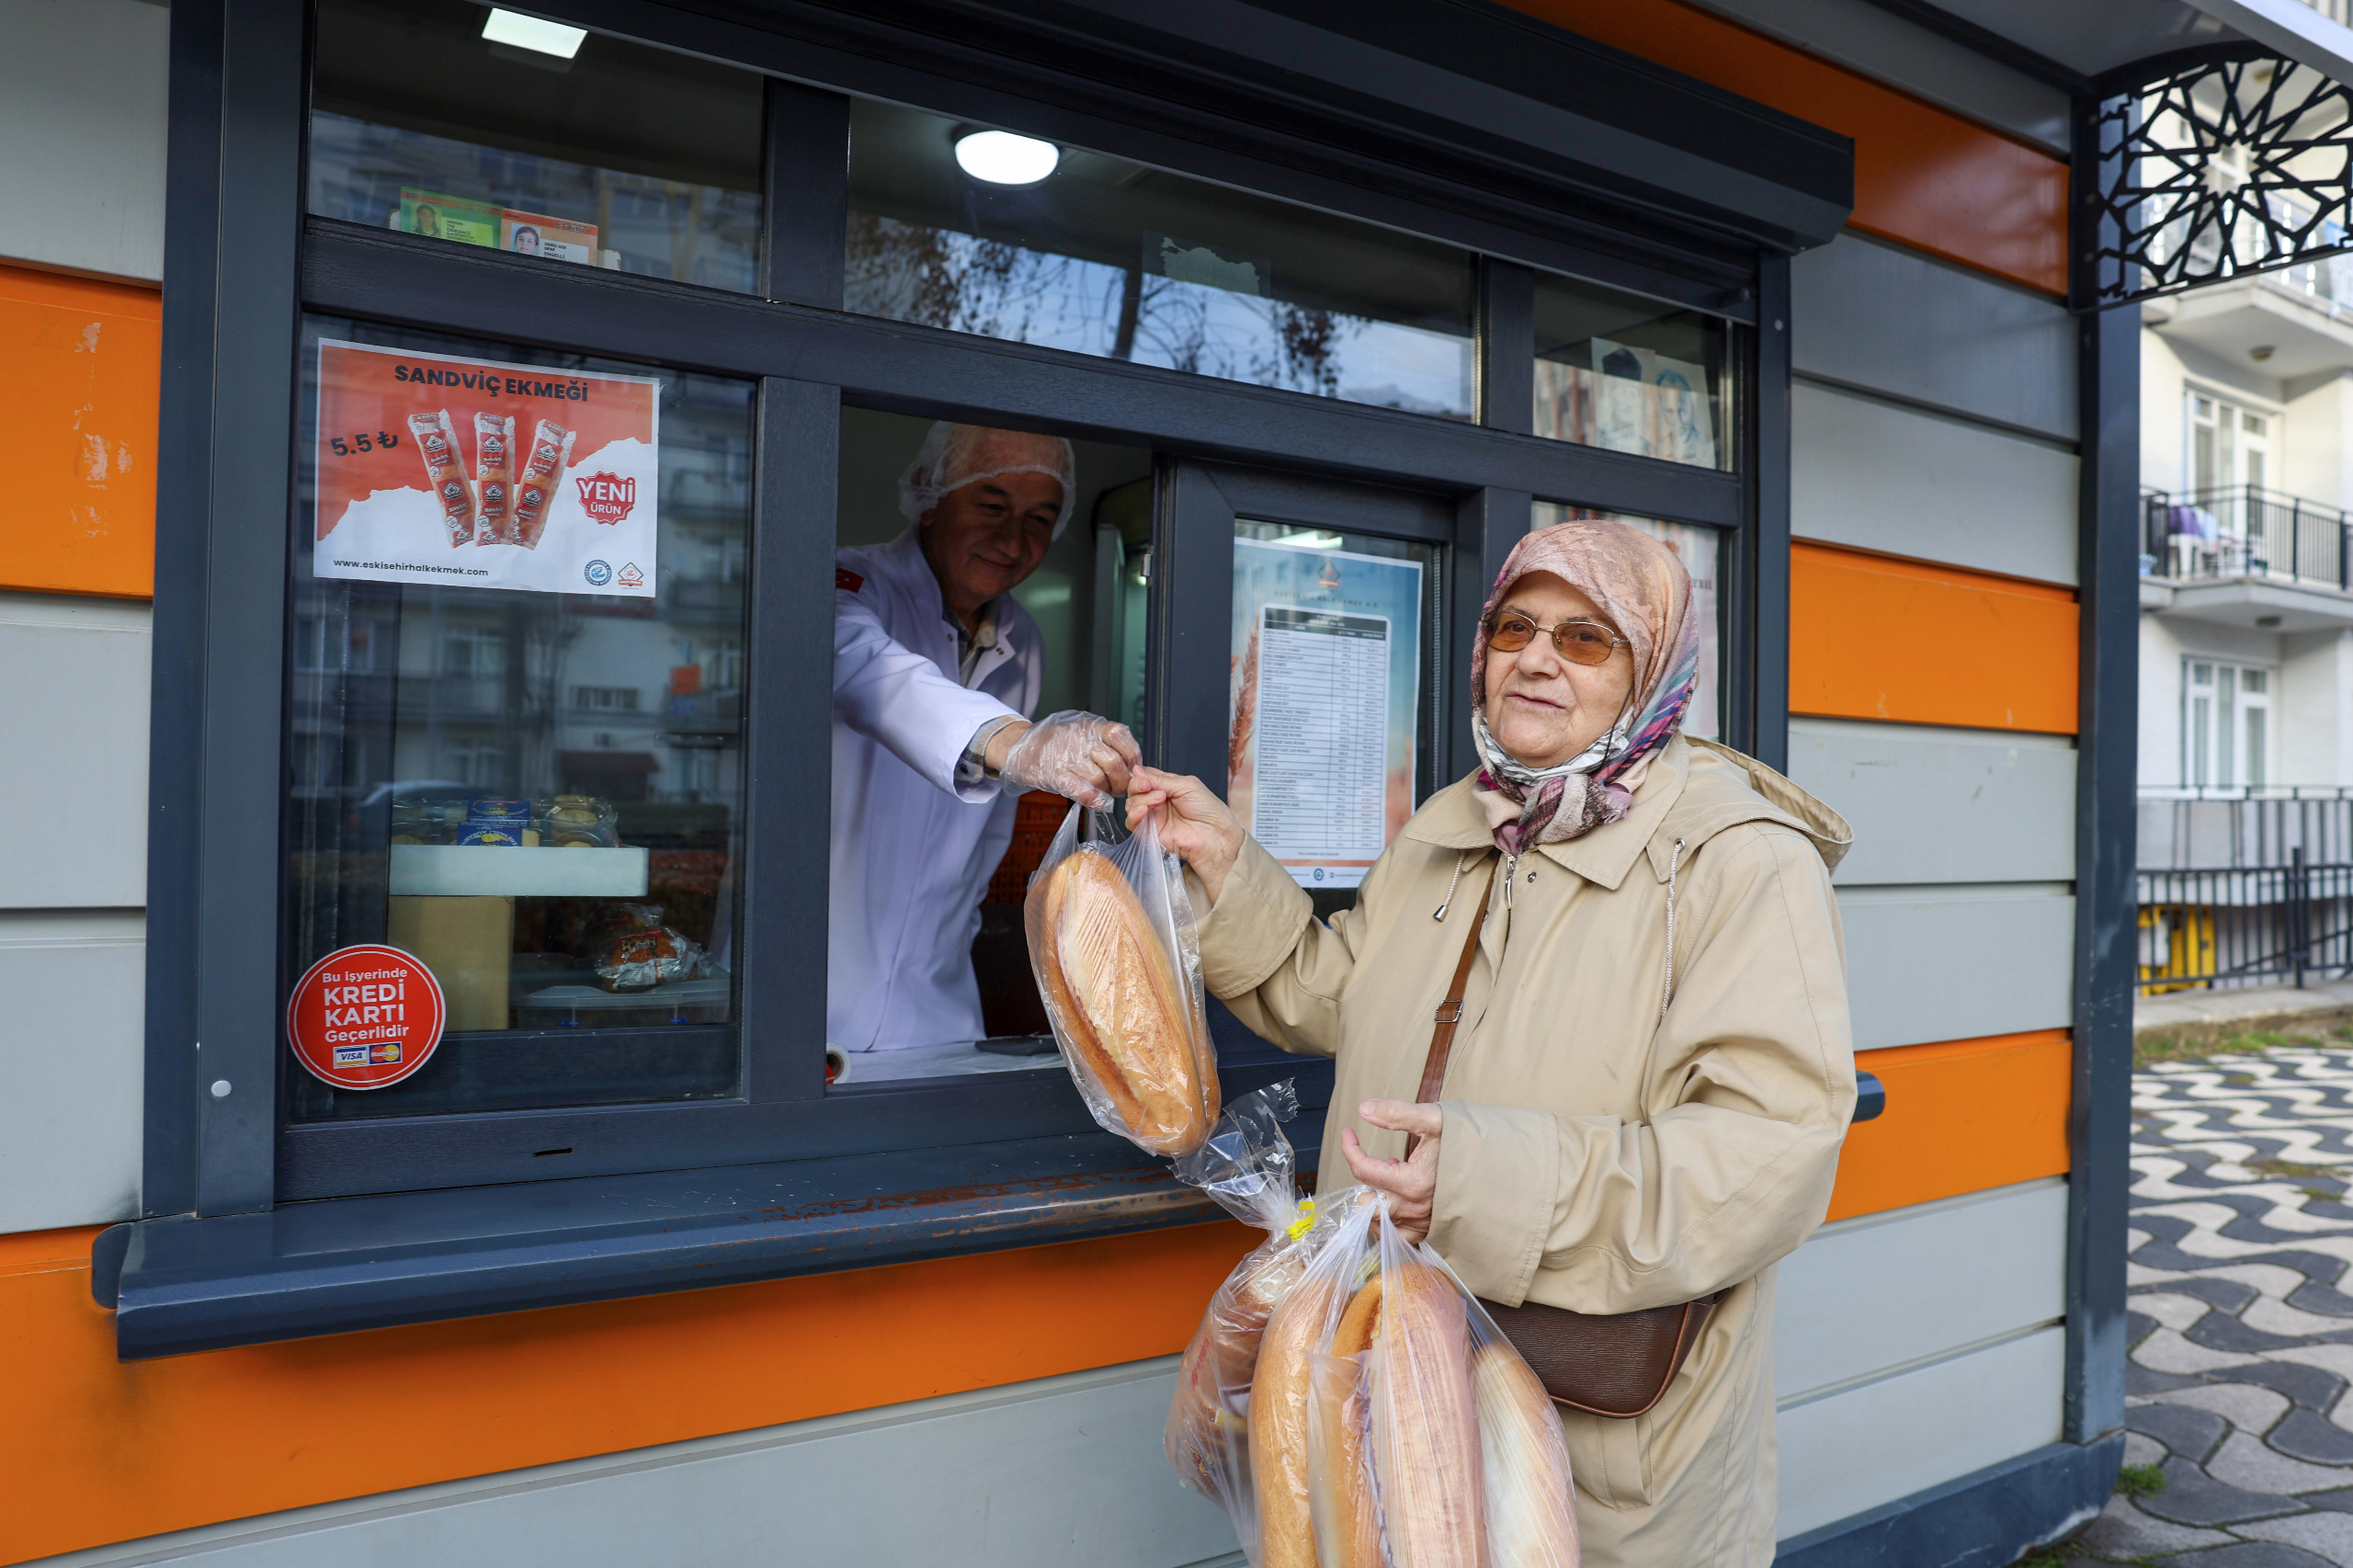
x=335 y=1265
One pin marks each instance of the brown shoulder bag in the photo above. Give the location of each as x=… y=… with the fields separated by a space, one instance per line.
x=1616 y=1364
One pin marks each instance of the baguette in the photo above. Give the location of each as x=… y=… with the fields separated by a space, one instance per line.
x=1206 y=1440
x=1278 y=1426
x=1347 y=1518
x=1532 y=1522
x=1424 y=1423
x=1125 y=1015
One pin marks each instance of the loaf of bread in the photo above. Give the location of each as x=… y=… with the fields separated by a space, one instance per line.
x=1531 y=1520
x=1126 y=1016
x=1417 y=1421
x=1279 y=1425
x=1207 y=1442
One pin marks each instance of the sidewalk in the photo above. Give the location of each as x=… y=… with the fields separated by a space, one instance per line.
x=2242 y=1342
x=2207 y=1017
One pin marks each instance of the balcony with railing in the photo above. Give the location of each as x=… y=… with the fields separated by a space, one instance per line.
x=2247 y=557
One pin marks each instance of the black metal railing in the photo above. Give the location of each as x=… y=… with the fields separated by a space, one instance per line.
x=2243 y=828
x=2218 y=929
x=2243 y=530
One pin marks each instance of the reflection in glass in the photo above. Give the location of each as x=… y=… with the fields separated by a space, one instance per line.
x=425 y=718
x=1109 y=257
x=1700 y=549
x=1630 y=375
x=623 y=156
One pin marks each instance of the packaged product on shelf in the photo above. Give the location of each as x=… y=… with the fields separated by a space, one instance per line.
x=579 y=821
x=445 y=471
x=1112 y=946
x=499 y=824
x=631 y=949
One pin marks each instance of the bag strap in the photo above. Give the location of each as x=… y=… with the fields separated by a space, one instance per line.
x=1449 y=1012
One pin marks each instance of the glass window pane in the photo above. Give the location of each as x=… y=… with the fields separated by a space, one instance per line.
x=536 y=792
x=1699 y=549
x=1632 y=375
x=621 y=156
x=1104 y=256
x=1332 y=742
x=999 y=594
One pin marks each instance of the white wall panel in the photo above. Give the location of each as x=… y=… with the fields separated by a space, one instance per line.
x=1876 y=476
x=1062 y=1471
x=82 y=85
x=74 y=768
x=1957 y=962
x=72 y=991
x=1867 y=1445
x=1867 y=1296
x=1890 y=320
x=1938 y=805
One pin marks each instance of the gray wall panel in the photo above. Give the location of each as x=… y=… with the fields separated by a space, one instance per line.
x=1958 y=963
x=73 y=708
x=1888 y=1439
x=1872 y=1295
x=73 y=1054
x=1876 y=476
x=1874 y=316
x=82 y=90
x=1936 y=805
x=1061 y=1471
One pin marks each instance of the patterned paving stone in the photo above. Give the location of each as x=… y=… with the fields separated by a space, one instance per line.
x=2304 y=1436
x=2327 y=1535
x=2240 y=1274
x=2193 y=1497
x=2190 y=1433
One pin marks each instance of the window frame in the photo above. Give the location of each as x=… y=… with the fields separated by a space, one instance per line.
x=244 y=264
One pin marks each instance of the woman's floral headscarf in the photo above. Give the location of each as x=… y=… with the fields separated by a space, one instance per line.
x=1640 y=584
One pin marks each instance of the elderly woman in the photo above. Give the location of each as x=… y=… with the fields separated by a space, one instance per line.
x=1652 y=1073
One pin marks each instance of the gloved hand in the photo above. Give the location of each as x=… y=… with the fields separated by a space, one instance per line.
x=1082 y=755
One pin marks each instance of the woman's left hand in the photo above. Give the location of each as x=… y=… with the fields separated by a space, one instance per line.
x=1410 y=1184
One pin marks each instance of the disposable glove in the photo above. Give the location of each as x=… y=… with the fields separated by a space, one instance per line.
x=1084 y=757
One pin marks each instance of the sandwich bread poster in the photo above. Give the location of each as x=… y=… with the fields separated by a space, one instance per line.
x=475 y=474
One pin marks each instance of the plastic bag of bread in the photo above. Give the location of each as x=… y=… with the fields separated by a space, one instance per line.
x=1112 y=944
x=1248 y=1168
x=1391 y=1425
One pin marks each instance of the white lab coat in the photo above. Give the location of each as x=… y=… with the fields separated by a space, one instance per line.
x=911 y=853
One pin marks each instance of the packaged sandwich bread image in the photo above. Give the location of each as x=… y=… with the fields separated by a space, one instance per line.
x=535 y=488
x=1388 y=1424
x=445 y=471
x=1111 y=944
x=493 y=478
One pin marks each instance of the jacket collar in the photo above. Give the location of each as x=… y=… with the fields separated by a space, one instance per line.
x=1453 y=820
x=908 y=564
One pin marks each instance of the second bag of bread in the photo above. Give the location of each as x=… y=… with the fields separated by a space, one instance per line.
x=1112 y=945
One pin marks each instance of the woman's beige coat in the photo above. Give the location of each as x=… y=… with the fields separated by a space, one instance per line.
x=1593 y=1155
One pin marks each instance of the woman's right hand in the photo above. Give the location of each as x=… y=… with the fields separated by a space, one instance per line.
x=1194 y=823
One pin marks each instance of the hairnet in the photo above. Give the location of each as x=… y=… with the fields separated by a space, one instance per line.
x=954 y=456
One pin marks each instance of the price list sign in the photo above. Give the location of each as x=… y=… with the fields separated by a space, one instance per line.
x=1326 y=662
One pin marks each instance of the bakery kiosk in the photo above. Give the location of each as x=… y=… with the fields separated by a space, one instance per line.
x=438 y=467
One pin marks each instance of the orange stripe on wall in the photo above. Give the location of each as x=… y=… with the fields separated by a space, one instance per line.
x=85 y=368
x=1963 y=1116
x=1923 y=176
x=96 y=1451
x=1874 y=637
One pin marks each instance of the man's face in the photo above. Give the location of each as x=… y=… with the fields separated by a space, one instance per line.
x=984 y=539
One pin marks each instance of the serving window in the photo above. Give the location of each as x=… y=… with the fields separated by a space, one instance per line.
x=609 y=358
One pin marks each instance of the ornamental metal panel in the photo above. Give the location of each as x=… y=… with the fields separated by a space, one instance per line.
x=2220 y=167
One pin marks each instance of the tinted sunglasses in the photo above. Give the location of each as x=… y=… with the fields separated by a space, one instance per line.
x=1579 y=641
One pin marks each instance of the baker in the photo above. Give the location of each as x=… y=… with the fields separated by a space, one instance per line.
x=935 y=671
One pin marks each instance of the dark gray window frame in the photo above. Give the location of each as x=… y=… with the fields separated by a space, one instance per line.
x=257 y=1231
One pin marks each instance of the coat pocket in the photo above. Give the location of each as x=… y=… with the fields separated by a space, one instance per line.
x=1609 y=1457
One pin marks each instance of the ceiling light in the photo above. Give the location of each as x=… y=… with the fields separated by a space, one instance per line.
x=1002 y=158
x=529 y=32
